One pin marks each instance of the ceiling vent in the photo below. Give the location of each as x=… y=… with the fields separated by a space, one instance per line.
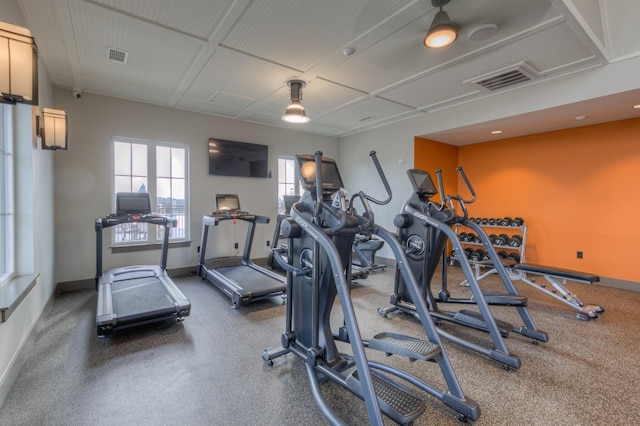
x=516 y=74
x=117 y=55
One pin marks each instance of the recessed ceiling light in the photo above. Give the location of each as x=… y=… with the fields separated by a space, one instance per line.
x=581 y=117
x=637 y=106
x=496 y=132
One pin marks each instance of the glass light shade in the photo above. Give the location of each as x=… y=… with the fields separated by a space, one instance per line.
x=442 y=31
x=295 y=113
x=54 y=132
x=18 y=65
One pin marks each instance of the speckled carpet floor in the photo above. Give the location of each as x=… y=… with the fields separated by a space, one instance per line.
x=208 y=370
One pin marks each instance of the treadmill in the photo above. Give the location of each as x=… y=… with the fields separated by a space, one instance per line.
x=136 y=295
x=237 y=277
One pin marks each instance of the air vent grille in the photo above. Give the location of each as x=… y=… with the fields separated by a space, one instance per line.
x=516 y=74
x=117 y=55
x=503 y=80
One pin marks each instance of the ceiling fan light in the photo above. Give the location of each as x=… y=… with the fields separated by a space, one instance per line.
x=442 y=31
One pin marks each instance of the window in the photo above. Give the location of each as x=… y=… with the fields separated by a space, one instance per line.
x=287 y=181
x=7 y=247
x=161 y=169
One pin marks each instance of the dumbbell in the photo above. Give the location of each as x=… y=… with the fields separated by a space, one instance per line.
x=492 y=221
x=501 y=240
x=505 y=221
x=468 y=252
x=515 y=241
x=493 y=238
x=514 y=256
x=476 y=239
x=477 y=255
x=462 y=236
x=502 y=254
x=518 y=221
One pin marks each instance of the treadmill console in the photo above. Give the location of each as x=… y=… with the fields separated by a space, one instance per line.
x=138 y=203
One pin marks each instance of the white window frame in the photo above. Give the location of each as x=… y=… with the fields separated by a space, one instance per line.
x=294 y=185
x=7 y=201
x=154 y=232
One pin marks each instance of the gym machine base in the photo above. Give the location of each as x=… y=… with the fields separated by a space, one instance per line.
x=136 y=295
x=320 y=237
x=238 y=277
x=423 y=230
x=557 y=277
x=365 y=248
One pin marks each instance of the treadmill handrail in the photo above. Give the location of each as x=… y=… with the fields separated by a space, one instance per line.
x=153 y=218
x=113 y=220
x=214 y=219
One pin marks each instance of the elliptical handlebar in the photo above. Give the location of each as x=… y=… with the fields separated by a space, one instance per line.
x=466 y=181
x=443 y=197
x=385 y=182
x=367 y=218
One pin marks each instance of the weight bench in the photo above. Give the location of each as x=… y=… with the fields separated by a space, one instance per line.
x=557 y=277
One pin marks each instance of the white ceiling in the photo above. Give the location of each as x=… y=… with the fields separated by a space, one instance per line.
x=232 y=58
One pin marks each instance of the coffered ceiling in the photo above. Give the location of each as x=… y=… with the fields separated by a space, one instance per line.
x=363 y=60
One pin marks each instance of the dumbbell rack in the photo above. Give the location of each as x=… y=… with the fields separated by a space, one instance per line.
x=511 y=231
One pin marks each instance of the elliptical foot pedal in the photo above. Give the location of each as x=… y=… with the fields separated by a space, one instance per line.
x=475 y=319
x=398 y=344
x=395 y=400
x=503 y=299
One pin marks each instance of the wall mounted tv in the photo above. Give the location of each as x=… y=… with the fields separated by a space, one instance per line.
x=231 y=158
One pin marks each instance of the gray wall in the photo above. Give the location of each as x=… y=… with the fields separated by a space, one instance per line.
x=83 y=178
x=34 y=224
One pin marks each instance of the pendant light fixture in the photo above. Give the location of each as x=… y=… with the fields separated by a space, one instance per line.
x=442 y=32
x=295 y=111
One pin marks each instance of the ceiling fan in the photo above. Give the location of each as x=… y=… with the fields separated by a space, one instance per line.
x=443 y=31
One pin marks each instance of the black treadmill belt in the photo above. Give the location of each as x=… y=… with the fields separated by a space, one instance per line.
x=251 y=280
x=134 y=297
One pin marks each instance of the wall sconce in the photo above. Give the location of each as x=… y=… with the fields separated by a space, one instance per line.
x=53 y=129
x=295 y=111
x=18 y=65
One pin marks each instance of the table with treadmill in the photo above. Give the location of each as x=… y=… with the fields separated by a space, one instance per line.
x=134 y=295
x=238 y=276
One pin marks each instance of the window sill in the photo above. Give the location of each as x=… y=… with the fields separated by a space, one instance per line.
x=14 y=292
x=145 y=247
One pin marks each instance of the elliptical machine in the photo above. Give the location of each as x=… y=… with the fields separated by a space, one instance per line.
x=423 y=230
x=320 y=235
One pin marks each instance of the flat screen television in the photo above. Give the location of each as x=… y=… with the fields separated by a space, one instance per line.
x=241 y=159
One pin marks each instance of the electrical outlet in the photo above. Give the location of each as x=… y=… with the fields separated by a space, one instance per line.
x=268 y=243
x=235 y=246
x=579 y=255
x=198 y=249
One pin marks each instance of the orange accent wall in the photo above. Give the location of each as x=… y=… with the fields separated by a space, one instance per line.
x=577 y=190
x=431 y=156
